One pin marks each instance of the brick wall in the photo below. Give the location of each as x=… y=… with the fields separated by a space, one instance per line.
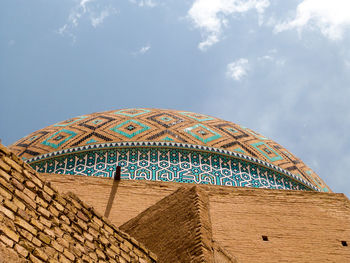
x=41 y=225
x=301 y=226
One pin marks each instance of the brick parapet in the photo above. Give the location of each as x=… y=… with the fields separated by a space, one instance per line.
x=42 y=225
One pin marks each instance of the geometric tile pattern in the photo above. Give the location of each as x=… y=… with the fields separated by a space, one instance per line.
x=156 y=125
x=168 y=165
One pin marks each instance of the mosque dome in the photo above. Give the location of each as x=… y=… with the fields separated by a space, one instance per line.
x=165 y=145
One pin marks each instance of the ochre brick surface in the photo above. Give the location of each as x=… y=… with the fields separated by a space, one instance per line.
x=39 y=224
x=177 y=228
x=301 y=226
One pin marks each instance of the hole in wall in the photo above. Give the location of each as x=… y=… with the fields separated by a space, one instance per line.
x=265 y=238
x=344 y=243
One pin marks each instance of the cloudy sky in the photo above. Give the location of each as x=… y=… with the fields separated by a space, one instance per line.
x=281 y=68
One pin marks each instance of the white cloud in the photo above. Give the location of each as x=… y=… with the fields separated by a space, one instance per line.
x=266 y=57
x=95 y=13
x=95 y=21
x=331 y=17
x=237 y=69
x=144 y=3
x=210 y=16
x=271 y=57
x=142 y=50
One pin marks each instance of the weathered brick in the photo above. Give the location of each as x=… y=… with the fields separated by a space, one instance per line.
x=10 y=205
x=46 y=197
x=40 y=254
x=125 y=256
x=88 y=236
x=5 y=175
x=7 y=212
x=7 y=185
x=65 y=219
x=108 y=229
x=82 y=216
x=66 y=228
x=115 y=249
x=128 y=244
x=16 y=158
x=36 y=242
x=13 y=164
x=4 y=150
x=44 y=212
x=68 y=238
x=68 y=254
x=138 y=251
x=124 y=247
x=41 y=202
x=5 y=193
x=6 y=240
x=89 y=244
x=19 y=203
x=49 y=232
x=69 y=214
x=9 y=233
x=37 y=181
x=54 y=211
x=86 y=258
x=100 y=254
x=77 y=229
x=34 y=259
x=30 y=185
x=4 y=166
x=48 y=189
x=110 y=253
x=27 y=245
x=18 y=176
x=97 y=221
x=24 y=233
x=58 y=206
x=93 y=256
x=30 y=193
x=63 y=259
x=58 y=231
x=63 y=242
x=44 y=238
x=21 y=250
x=50 y=252
x=79 y=237
x=82 y=224
x=22 y=223
x=45 y=222
x=27 y=174
x=93 y=232
x=76 y=251
x=152 y=255
x=25 y=198
x=60 y=200
x=57 y=246
x=36 y=223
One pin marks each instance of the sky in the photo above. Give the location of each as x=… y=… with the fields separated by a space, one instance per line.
x=281 y=68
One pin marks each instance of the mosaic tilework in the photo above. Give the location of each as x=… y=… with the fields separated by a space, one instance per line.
x=156 y=125
x=169 y=165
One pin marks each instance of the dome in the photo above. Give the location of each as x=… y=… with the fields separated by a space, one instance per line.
x=165 y=145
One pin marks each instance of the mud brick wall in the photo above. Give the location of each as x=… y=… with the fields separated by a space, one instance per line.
x=41 y=225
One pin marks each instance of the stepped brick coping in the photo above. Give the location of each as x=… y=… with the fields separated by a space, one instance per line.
x=178 y=228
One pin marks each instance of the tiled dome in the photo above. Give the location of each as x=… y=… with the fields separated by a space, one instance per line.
x=165 y=145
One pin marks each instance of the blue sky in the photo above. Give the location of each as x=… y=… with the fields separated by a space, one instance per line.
x=278 y=67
